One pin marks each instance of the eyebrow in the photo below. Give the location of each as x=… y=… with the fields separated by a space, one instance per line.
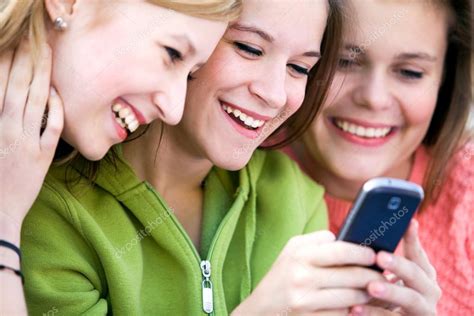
x=267 y=37
x=253 y=29
x=401 y=56
x=191 y=49
x=422 y=56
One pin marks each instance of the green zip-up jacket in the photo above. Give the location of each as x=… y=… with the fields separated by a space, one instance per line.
x=116 y=247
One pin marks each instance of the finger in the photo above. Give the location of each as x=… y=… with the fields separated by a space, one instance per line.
x=54 y=126
x=342 y=253
x=6 y=60
x=39 y=93
x=408 y=271
x=410 y=300
x=414 y=251
x=345 y=277
x=325 y=299
x=332 y=312
x=18 y=83
x=368 y=310
x=299 y=245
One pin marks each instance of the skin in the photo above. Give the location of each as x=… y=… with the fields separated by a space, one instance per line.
x=380 y=87
x=267 y=85
x=92 y=66
x=393 y=82
x=154 y=82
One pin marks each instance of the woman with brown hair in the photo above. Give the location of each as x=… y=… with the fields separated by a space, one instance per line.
x=115 y=65
x=192 y=218
x=399 y=107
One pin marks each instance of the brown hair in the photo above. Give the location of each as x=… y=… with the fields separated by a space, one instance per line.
x=448 y=130
x=319 y=82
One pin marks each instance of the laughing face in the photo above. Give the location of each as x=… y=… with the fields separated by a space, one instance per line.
x=385 y=92
x=123 y=65
x=254 y=80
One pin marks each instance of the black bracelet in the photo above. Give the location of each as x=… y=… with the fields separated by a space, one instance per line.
x=17 y=272
x=11 y=246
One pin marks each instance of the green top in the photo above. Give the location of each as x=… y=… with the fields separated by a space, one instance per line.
x=117 y=247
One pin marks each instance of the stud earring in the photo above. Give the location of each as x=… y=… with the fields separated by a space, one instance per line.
x=60 y=24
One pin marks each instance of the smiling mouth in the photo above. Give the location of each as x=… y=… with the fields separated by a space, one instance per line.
x=362 y=131
x=125 y=118
x=243 y=119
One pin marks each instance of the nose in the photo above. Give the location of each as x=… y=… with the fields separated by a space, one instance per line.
x=373 y=91
x=269 y=85
x=170 y=98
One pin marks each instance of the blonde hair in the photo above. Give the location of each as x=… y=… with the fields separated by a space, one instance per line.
x=28 y=17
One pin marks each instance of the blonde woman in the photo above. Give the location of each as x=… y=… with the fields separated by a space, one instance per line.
x=99 y=70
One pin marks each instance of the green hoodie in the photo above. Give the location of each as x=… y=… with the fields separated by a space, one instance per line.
x=117 y=247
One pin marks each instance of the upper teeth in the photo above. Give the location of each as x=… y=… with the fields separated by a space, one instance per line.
x=363 y=131
x=125 y=117
x=246 y=119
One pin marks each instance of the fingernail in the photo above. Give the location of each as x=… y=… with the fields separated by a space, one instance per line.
x=378 y=289
x=53 y=92
x=356 y=310
x=415 y=224
x=386 y=259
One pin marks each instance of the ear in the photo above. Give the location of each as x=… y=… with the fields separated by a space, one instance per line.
x=59 y=8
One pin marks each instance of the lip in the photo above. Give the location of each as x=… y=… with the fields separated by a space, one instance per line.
x=247 y=112
x=139 y=115
x=362 y=123
x=354 y=139
x=121 y=132
x=252 y=134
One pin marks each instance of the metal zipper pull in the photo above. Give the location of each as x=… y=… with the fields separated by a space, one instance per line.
x=207 y=300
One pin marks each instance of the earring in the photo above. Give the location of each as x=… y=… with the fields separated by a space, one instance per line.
x=60 y=24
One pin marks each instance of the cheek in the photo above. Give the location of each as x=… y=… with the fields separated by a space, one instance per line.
x=421 y=115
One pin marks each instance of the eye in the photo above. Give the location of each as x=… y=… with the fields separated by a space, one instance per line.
x=300 y=70
x=254 y=52
x=411 y=74
x=345 y=63
x=174 y=54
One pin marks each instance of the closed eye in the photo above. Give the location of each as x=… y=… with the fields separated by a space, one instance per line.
x=299 y=69
x=248 y=49
x=411 y=74
x=174 y=54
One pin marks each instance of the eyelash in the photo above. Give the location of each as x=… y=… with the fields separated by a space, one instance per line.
x=174 y=54
x=410 y=74
x=258 y=53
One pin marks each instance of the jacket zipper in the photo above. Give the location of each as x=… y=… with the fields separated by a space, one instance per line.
x=205 y=265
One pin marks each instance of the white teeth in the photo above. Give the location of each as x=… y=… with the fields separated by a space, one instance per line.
x=125 y=117
x=124 y=112
x=117 y=107
x=246 y=119
x=121 y=123
x=362 y=131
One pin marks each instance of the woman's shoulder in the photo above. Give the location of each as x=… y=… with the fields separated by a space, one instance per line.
x=459 y=178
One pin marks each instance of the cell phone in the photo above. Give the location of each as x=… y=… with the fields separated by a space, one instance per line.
x=381 y=214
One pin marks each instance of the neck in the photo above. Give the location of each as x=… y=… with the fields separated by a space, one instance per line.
x=168 y=166
x=338 y=186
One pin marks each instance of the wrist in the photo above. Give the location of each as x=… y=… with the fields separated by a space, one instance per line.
x=10 y=229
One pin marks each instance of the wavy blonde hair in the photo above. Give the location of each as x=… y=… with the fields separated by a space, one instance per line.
x=28 y=17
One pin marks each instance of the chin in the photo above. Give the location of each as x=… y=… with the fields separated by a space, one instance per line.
x=232 y=162
x=95 y=153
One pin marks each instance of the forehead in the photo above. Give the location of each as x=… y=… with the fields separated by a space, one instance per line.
x=288 y=21
x=398 y=25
